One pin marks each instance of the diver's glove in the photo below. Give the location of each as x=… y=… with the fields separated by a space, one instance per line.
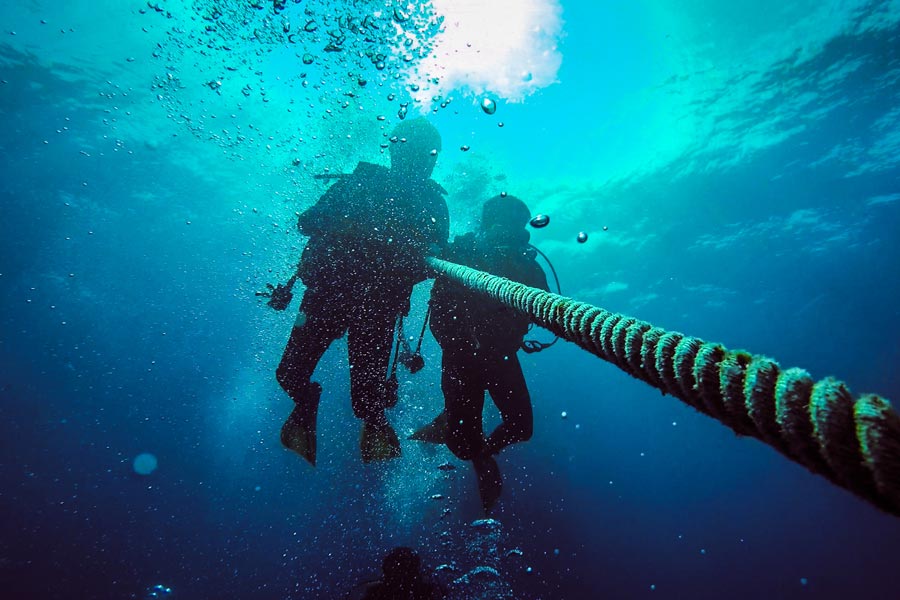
x=279 y=296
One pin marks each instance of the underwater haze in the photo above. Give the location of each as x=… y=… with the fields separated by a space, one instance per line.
x=734 y=164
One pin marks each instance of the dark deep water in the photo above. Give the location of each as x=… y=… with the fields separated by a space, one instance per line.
x=746 y=169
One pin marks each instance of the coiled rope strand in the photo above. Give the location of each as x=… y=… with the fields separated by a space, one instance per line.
x=853 y=443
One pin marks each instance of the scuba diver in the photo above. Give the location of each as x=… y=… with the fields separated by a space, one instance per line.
x=479 y=339
x=402 y=579
x=368 y=235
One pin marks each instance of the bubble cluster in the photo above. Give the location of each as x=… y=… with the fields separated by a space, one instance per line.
x=154 y=592
x=309 y=60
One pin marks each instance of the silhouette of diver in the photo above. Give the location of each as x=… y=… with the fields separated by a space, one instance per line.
x=368 y=235
x=479 y=339
x=402 y=579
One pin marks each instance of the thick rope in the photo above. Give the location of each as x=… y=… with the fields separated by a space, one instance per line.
x=853 y=443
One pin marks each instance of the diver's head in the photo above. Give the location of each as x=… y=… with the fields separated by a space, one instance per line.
x=414 y=153
x=503 y=220
x=401 y=567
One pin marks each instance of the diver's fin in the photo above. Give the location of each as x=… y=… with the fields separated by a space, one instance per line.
x=378 y=442
x=299 y=437
x=490 y=483
x=433 y=433
x=299 y=430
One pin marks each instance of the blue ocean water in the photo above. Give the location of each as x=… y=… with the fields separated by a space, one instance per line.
x=734 y=164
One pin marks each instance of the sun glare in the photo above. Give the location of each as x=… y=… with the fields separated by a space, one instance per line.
x=505 y=47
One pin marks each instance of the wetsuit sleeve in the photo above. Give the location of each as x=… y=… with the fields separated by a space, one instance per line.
x=441 y=311
x=450 y=321
x=441 y=229
x=428 y=233
x=451 y=316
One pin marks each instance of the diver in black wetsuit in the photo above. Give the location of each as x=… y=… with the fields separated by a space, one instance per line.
x=479 y=339
x=368 y=235
x=403 y=579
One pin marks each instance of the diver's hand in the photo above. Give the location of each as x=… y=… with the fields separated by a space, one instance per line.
x=279 y=296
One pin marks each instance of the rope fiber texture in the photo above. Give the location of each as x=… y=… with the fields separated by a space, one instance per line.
x=854 y=443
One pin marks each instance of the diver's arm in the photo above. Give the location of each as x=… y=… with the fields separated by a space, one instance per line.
x=442 y=309
x=442 y=224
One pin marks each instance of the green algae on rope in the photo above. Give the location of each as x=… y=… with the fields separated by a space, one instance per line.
x=853 y=443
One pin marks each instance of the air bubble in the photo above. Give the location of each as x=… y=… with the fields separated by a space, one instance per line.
x=145 y=463
x=540 y=221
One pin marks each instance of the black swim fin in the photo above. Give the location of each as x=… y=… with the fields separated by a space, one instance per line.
x=299 y=430
x=378 y=442
x=433 y=433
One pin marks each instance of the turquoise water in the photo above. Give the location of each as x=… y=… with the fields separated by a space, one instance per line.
x=734 y=165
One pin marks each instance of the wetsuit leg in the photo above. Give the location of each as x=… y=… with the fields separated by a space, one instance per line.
x=509 y=392
x=320 y=321
x=463 y=389
x=369 y=341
